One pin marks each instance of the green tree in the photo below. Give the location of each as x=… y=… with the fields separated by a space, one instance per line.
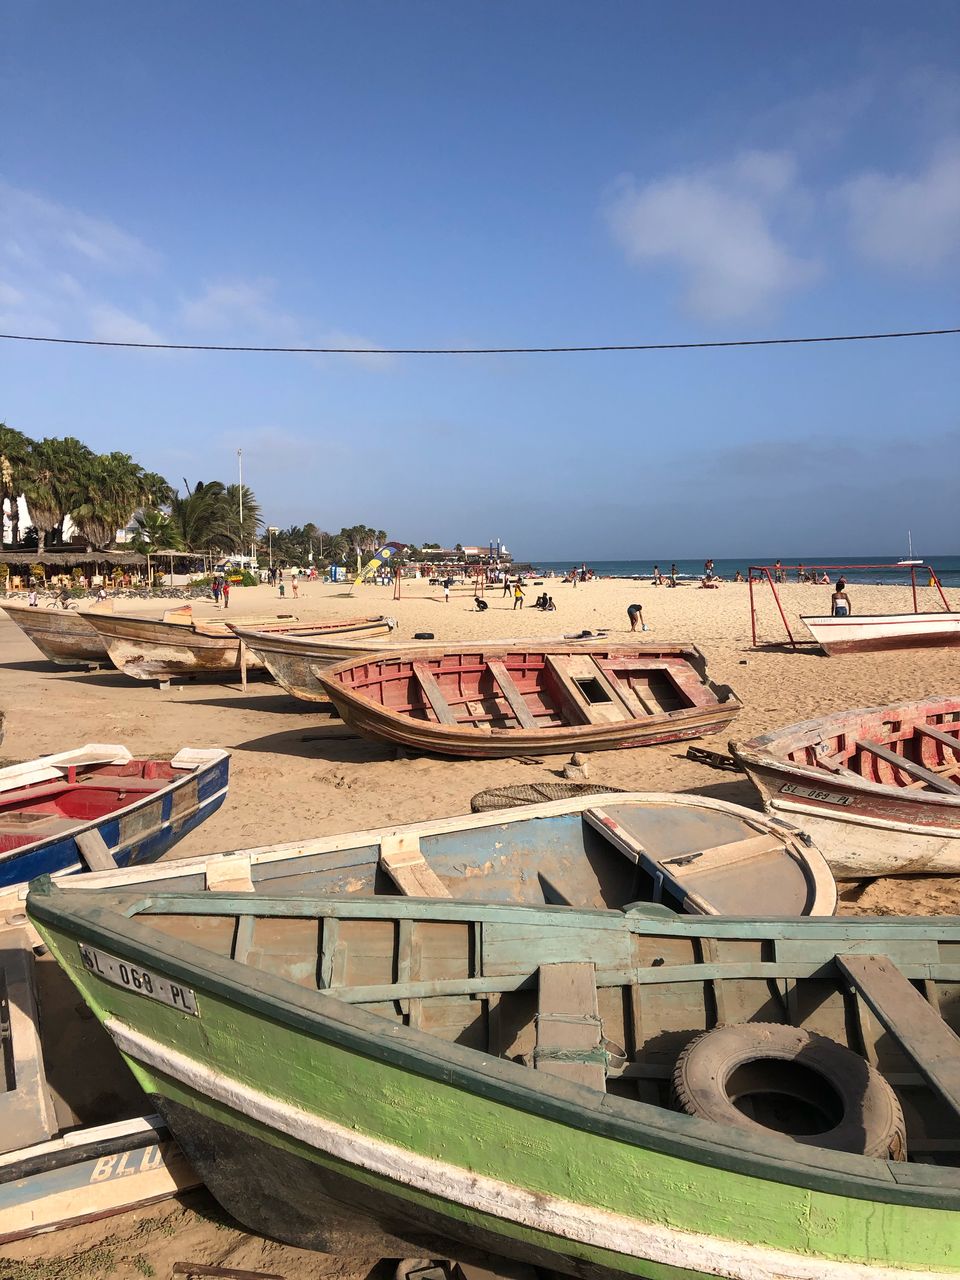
x=156 y=531
x=199 y=517
x=14 y=461
x=55 y=482
x=115 y=489
x=240 y=537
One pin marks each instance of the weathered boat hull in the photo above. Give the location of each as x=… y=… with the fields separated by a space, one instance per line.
x=447 y=1149
x=866 y=634
x=61 y=635
x=151 y=649
x=90 y=1174
x=141 y=831
x=864 y=826
x=290 y=659
x=699 y=707
x=572 y=852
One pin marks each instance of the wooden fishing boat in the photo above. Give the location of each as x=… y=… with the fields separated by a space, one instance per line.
x=602 y=1093
x=870 y=633
x=297 y=662
x=180 y=645
x=878 y=788
x=62 y=635
x=73 y=1147
x=99 y=807
x=693 y=853
x=502 y=700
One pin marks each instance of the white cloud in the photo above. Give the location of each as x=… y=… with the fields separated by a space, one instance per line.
x=243 y=309
x=716 y=225
x=910 y=221
x=35 y=230
x=110 y=324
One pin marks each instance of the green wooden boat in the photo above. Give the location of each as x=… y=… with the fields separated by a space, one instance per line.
x=440 y=1078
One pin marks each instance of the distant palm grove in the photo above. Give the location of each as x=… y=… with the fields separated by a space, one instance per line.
x=101 y=494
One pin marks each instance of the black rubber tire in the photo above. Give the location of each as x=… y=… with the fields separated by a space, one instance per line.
x=533 y=793
x=866 y=1113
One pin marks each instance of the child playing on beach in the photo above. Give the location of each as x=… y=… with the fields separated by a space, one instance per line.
x=840 y=601
x=518 y=595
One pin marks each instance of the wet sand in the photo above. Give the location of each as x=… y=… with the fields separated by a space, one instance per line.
x=291 y=778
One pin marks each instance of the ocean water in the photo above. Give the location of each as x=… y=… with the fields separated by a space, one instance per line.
x=947 y=568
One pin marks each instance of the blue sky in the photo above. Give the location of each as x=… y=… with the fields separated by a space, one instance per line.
x=496 y=174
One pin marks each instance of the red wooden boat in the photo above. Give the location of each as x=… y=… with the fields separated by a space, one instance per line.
x=505 y=700
x=878 y=788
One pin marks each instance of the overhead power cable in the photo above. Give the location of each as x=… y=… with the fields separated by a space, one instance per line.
x=478 y=351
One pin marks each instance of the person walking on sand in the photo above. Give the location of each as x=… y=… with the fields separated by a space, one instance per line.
x=673 y=575
x=518 y=595
x=281 y=587
x=215 y=588
x=506 y=584
x=446 y=590
x=295 y=583
x=840 y=601
x=226 y=593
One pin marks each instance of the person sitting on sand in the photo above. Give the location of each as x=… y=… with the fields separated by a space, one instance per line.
x=738 y=577
x=550 y=607
x=479 y=604
x=840 y=601
x=824 y=579
x=710 y=582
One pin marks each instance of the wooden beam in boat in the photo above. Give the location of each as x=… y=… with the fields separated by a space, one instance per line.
x=946 y=739
x=27 y=1113
x=403 y=861
x=94 y=851
x=433 y=693
x=569 y=1034
x=907 y=766
x=911 y=1020
x=512 y=694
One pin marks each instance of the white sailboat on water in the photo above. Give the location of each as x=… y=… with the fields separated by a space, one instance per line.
x=910 y=558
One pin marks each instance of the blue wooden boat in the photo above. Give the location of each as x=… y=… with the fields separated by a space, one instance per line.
x=99 y=808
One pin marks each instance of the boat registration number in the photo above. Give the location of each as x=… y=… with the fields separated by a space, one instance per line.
x=811 y=793
x=124 y=974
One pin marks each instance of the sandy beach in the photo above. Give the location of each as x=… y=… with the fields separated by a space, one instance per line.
x=294 y=775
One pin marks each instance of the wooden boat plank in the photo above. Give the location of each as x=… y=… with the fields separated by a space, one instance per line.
x=909 y=767
x=26 y=1110
x=403 y=861
x=910 y=1019
x=569 y=1033
x=512 y=694
x=945 y=739
x=433 y=694
x=93 y=849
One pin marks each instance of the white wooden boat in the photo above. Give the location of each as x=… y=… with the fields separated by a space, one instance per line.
x=878 y=788
x=869 y=633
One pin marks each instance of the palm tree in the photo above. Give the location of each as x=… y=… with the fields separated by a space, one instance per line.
x=200 y=518
x=115 y=490
x=156 y=531
x=14 y=458
x=55 y=482
x=241 y=536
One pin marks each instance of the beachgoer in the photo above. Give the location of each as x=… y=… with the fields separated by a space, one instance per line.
x=32 y=600
x=447 y=584
x=635 y=614
x=518 y=595
x=657 y=576
x=281 y=587
x=101 y=594
x=801 y=574
x=225 y=590
x=295 y=583
x=215 y=588
x=673 y=575
x=480 y=604
x=506 y=584
x=778 y=575
x=840 y=601
x=739 y=577
x=550 y=606
x=824 y=579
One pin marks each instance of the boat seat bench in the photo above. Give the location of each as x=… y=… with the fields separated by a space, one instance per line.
x=909 y=767
x=403 y=861
x=569 y=1041
x=912 y=1021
